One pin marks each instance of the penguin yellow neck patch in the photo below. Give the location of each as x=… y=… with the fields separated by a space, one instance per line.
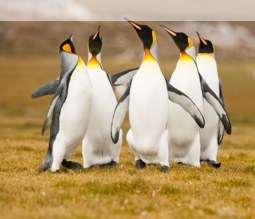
x=184 y=57
x=154 y=38
x=80 y=61
x=148 y=56
x=209 y=55
x=190 y=42
x=93 y=62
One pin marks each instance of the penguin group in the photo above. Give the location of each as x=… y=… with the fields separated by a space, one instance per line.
x=181 y=120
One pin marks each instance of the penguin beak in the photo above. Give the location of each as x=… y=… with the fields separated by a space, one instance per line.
x=135 y=25
x=71 y=37
x=97 y=33
x=201 y=39
x=171 y=32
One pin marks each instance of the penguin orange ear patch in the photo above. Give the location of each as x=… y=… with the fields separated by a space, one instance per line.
x=67 y=48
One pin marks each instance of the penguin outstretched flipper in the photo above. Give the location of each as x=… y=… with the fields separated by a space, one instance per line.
x=68 y=64
x=119 y=114
x=186 y=103
x=217 y=104
x=123 y=77
x=46 y=89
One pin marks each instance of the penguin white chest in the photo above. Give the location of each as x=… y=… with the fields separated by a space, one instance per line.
x=183 y=132
x=75 y=112
x=186 y=79
x=208 y=69
x=148 y=108
x=103 y=105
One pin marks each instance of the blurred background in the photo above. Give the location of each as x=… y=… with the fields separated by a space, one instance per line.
x=29 y=57
x=111 y=10
x=32 y=30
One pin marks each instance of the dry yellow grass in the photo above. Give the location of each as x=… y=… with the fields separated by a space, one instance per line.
x=122 y=192
x=184 y=192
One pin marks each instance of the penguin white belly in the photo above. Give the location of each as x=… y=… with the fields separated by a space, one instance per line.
x=74 y=115
x=98 y=147
x=148 y=112
x=209 y=134
x=183 y=132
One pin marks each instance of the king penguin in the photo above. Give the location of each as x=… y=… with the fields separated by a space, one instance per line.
x=183 y=132
x=146 y=99
x=212 y=134
x=71 y=107
x=97 y=146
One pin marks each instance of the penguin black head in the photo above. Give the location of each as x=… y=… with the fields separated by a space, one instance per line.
x=95 y=43
x=146 y=34
x=205 y=46
x=67 y=45
x=181 y=39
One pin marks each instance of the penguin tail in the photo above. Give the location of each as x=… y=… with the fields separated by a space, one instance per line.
x=46 y=162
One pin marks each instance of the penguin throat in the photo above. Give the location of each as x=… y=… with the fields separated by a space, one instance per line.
x=80 y=61
x=151 y=54
x=211 y=55
x=94 y=61
x=185 y=57
x=191 y=51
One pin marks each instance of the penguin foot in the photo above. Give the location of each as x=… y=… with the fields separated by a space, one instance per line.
x=112 y=164
x=164 y=169
x=139 y=164
x=57 y=171
x=211 y=163
x=71 y=164
x=43 y=167
x=214 y=164
x=108 y=165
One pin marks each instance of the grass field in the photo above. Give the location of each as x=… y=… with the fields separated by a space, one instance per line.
x=122 y=192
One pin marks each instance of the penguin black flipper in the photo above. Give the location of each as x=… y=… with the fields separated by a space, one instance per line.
x=119 y=114
x=123 y=77
x=220 y=133
x=68 y=64
x=50 y=109
x=56 y=104
x=186 y=103
x=217 y=104
x=221 y=127
x=46 y=89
